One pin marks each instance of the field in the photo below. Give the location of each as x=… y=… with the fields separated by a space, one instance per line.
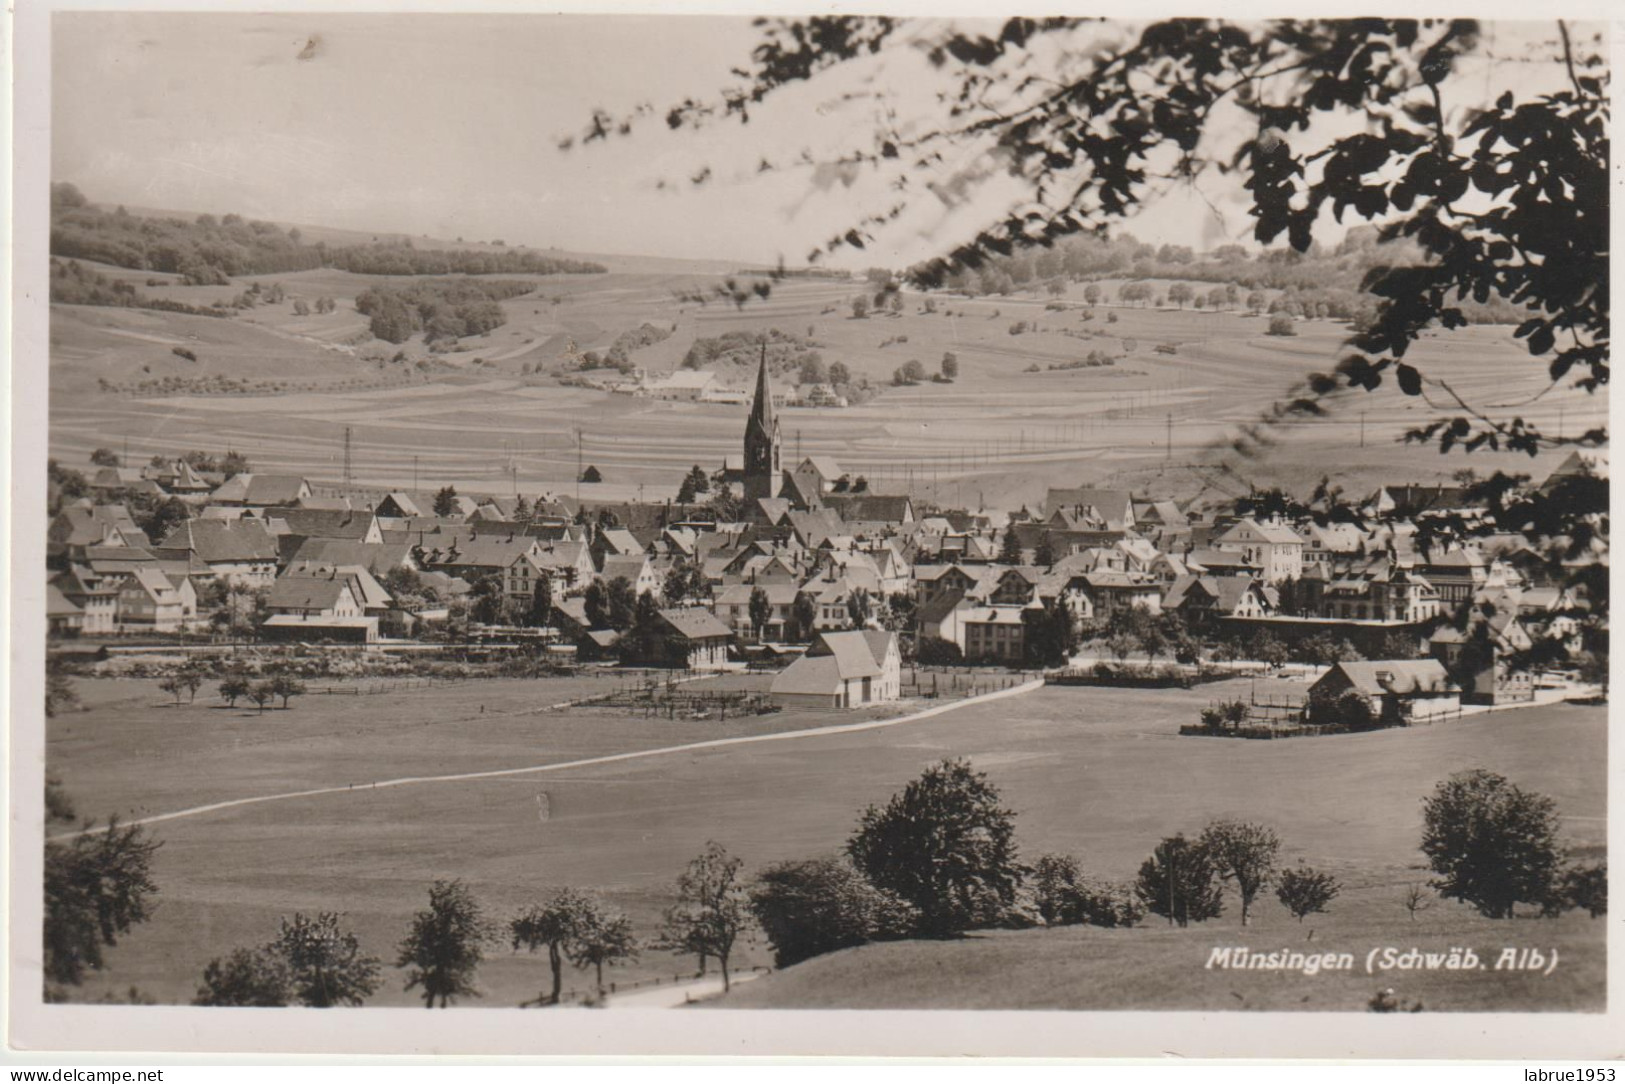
x=1095 y=772
x=998 y=436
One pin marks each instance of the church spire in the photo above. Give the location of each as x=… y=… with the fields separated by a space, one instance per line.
x=761 y=411
x=763 y=473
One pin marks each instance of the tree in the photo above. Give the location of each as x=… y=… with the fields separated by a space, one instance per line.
x=1178 y=883
x=1048 y=635
x=712 y=909
x=803 y=623
x=97 y=886
x=1044 y=555
x=761 y=611
x=812 y=370
x=1305 y=891
x=1122 y=645
x=1179 y=293
x=233 y=688
x=595 y=601
x=860 y=308
x=172 y=684
x=445 y=502
x=695 y=483
x=60 y=695
x=104 y=457
x=552 y=925
x=620 y=601
x=604 y=936
x=1493 y=844
x=1586 y=888
x=301 y=308
x=324 y=963
x=261 y=693
x=445 y=945
x=1281 y=324
x=287 y=687
x=1256 y=302
x=819 y=905
x=1416 y=899
x=946 y=845
x=591 y=476
x=1010 y=551
x=541 y=602
x=253 y=978
x=1091 y=294
x=913 y=371
x=1055 y=876
x=839 y=374
x=1242 y=853
x=950 y=366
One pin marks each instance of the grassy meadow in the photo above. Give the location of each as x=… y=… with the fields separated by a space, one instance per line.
x=1095 y=772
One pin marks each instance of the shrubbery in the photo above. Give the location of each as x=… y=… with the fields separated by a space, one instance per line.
x=821 y=905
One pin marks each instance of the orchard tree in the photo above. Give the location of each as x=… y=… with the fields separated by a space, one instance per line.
x=324 y=963
x=1243 y=854
x=552 y=925
x=712 y=910
x=604 y=935
x=946 y=844
x=1493 y=844
x=445 y=945
x=1305 y=891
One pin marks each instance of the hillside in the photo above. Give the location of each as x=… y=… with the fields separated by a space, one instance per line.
x=1158 y=967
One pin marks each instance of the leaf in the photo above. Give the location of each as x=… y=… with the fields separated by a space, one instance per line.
x=1410 y=381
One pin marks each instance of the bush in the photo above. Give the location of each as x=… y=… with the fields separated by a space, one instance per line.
x=822 y=905
x=183 y=352
x=935 y=651
x=1064 y=897
x=1281 y=324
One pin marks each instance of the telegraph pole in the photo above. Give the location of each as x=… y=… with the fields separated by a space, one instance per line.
x=347 y=460
x=1362 y=429
x=414 y=474
x=578 y=468
x=1169 y=453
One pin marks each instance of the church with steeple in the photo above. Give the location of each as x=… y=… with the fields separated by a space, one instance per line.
x=764 y=473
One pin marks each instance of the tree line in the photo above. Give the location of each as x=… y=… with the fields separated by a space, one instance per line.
x=210 y=250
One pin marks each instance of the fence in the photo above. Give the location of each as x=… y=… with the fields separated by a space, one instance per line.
x=956 y=682
x=397 y=685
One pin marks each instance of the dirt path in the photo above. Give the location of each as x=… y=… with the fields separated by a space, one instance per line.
x=675 y=995
x=612 y=758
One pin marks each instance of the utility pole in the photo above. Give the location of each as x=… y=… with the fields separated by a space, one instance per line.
x=1362 y=429
x=414 y=474
x=347 y=460
x=578 y=468
x=1169 y=453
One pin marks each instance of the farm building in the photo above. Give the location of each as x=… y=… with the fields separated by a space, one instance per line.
x=694 y=639
x=1394 y=689
x=843 y=670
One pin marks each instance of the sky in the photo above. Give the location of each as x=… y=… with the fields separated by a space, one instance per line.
x=448 y=125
